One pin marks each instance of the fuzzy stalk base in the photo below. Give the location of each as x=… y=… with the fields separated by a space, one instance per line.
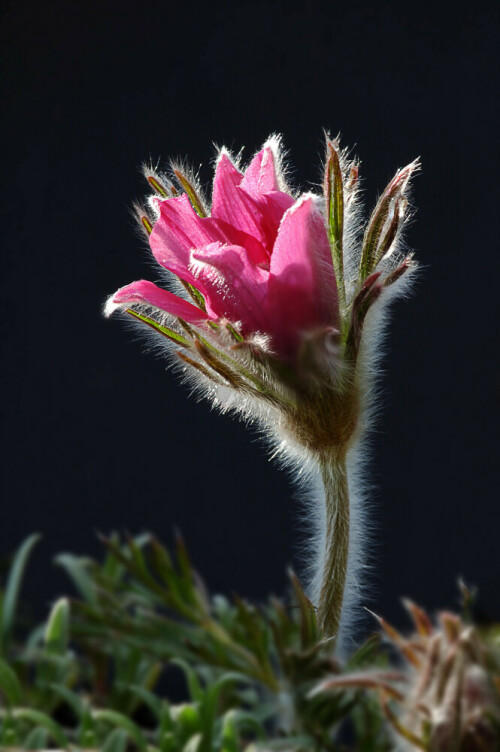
x=334 y=570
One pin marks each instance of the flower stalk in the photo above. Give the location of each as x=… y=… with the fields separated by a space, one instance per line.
x=337 y=509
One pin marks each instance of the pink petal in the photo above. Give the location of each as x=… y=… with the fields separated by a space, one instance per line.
x=256 y=251
x=236 y=288
x=273 y=206
x=177 y=231
x=149 y=294
x=234 y=206
x=260 y=175
x=302 y=285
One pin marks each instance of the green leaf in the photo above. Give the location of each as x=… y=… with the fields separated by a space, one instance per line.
x=134 y=672
x=87 y=737
x=232 y=720
x=57 y=630
x=121 y=721
x=9 y=684
x=195 y=690
x=139 y=568
x=334 y=192
x=116 y=741
x=224 y=611
x=37 y=739
x=187 y=719
x=152 y=701
x=189 y=187
x=165 y=331
x=70 y=698
x=230 y=737
x=166 y=722
x=35 y=638
x=308 y=623
x=183 y=560
x=163 y=567
x=209 y=705
x=366 y=653
x=13 y=587
x=167 y=742
x=148 y=674
x=9 y=733
x=194 y=744
x=112 y=568
x=41 y=720
x=374 y=240
x=76 y=568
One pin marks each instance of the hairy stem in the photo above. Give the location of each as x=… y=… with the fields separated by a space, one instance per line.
x=333 y=578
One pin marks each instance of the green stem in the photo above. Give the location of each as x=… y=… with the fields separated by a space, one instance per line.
x=333 y=578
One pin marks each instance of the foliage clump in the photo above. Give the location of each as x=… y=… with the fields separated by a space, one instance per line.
x=95 y=676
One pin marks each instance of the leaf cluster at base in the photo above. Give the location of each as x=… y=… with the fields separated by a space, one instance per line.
x=95 y=675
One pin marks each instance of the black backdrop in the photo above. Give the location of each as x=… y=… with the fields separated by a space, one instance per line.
x=97 y=436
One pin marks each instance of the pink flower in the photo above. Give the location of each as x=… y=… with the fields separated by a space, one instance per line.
x=271 y=293
x=261 y=260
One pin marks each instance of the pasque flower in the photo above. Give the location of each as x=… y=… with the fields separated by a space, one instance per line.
x=272 y=310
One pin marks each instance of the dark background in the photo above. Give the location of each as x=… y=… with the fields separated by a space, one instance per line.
x=97 y=436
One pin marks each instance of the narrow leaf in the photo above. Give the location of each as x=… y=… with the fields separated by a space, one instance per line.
x=218 y=366
x=369 y=293
x=366 y=653
x=395 y=217
x=308 y=623
x=9 y=732
x=112 y=567
x=76 y=568
x=420 y=619
x=194 y=686
x=87 y=733
x=400 y=728
x=334 y=193
x=39 y=719
x=157 y=186
x=116 y=741
x=183 y=560
x=232 y=720
x=70 y=698
x=150 y=699
x=398 y=272
x=196 y=295
x=118 y=720
x=37 y=739
x=146 y=224
x=57 y=631
x=187 y=721
x=194 y=744
x=398 y=640
x=9 y=684
x=198 y=367
x=163 y=330
x=378 y=220
x=13 y=587
x=190 y=189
